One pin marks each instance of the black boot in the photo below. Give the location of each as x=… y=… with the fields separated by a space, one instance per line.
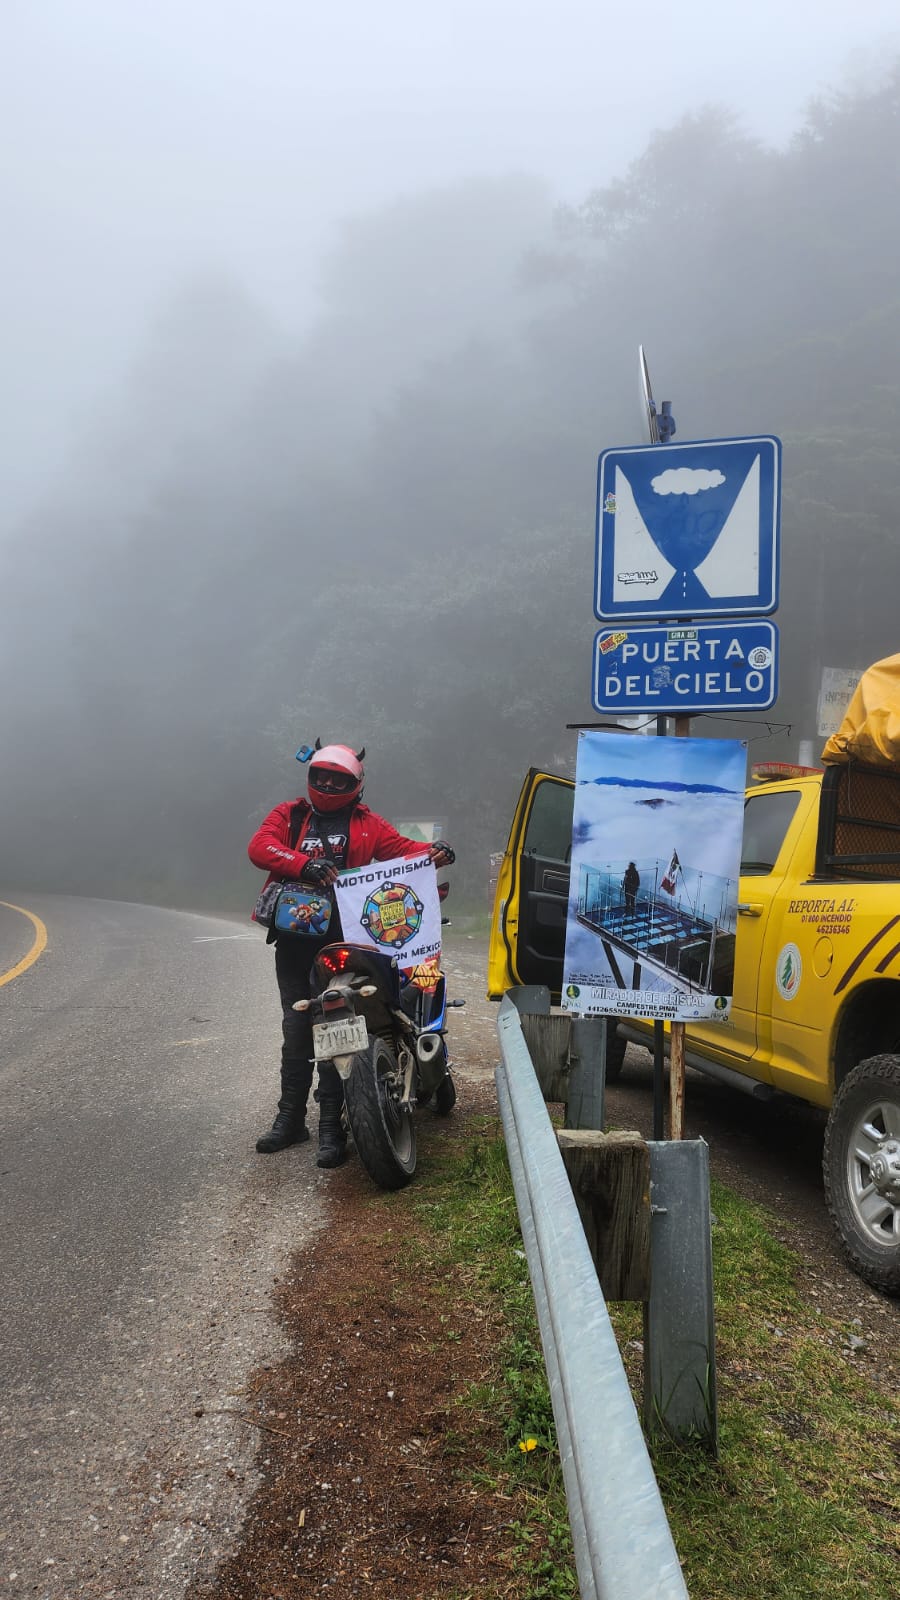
x=289 y=1126
x=332 y=1138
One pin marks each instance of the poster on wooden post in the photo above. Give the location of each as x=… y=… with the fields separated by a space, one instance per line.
x=656 y=852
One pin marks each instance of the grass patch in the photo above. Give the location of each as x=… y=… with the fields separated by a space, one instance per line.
x=473 y=1225
x=802 y=1500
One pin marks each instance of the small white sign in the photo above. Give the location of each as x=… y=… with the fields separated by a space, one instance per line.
x=835 y=694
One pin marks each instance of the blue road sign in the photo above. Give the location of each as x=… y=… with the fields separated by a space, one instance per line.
x=727 y=666
x=689 y=530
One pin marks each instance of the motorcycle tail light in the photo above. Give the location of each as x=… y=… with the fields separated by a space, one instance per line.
x=336 y=960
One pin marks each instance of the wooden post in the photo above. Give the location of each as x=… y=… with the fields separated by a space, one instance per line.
x=610 y=1178
x=676 y=1081
x=547 y=1038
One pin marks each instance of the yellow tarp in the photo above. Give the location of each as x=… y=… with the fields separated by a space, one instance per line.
x=870 y=731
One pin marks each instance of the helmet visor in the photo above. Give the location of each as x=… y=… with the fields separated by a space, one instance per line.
x=329 y=781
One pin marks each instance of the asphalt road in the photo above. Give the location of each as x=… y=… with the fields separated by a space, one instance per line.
x=140 y=1237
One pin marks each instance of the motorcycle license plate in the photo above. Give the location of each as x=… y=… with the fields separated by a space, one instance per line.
x=344 y=1038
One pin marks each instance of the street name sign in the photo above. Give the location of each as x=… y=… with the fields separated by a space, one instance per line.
x=689 y=530
x=729 y=666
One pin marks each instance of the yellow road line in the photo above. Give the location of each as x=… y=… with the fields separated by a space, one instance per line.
x=40 y=940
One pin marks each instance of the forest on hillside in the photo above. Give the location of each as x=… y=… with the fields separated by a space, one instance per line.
x=383 y=532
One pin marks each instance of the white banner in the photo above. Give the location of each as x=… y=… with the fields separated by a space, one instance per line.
x=394 y=907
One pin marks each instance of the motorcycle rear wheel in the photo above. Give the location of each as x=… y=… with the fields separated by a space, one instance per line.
x=384 y=1134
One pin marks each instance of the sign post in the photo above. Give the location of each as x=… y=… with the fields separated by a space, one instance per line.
x=676 y=1039
x=685 y=533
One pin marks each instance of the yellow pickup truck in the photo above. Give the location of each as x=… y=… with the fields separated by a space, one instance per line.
x=816 y=1006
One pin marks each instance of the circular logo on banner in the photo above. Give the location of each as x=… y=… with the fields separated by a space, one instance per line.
x=760 y=657
x=392 y=915
x=788 y=971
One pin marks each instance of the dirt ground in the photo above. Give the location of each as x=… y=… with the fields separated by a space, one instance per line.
x=360 y=1434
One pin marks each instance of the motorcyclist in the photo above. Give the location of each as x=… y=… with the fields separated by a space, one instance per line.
x=311 y=840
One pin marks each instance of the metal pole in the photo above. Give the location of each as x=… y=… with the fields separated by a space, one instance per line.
x=659 y=1036
x=659 y=1079
x=676 y=1043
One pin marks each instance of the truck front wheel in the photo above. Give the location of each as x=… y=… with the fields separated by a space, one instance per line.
x=861 y=1165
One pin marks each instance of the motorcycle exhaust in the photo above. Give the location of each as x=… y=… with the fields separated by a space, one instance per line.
x=428 y=1047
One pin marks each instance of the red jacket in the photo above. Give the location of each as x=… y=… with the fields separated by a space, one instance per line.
x=371 y=838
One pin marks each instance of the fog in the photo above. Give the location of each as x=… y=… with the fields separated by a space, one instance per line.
x=143 y=144
x=313 y=328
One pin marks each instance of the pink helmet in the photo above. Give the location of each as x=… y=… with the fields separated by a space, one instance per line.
x=336 y=777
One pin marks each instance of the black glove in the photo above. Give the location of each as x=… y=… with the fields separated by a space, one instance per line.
x=446 y=852
x=318 y=874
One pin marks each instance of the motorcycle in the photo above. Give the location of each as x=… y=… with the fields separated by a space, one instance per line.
x=383 y=1027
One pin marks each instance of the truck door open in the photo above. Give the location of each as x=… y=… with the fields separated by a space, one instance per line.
x=528 y=927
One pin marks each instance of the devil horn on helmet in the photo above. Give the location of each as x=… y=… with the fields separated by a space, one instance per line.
x=360 y=753
x=318 y=744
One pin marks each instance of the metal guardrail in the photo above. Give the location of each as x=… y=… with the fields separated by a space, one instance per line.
x=623 y=1545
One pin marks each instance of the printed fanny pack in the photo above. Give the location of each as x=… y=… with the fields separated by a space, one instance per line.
x=289 y=908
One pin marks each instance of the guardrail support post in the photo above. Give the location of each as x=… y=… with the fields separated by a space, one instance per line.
x=568 y=1054
x=530 y=999
x=679 y=1317
x=587 y=1073
x=547 y=1038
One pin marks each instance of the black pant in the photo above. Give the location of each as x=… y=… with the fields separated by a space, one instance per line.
x=293 y=969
